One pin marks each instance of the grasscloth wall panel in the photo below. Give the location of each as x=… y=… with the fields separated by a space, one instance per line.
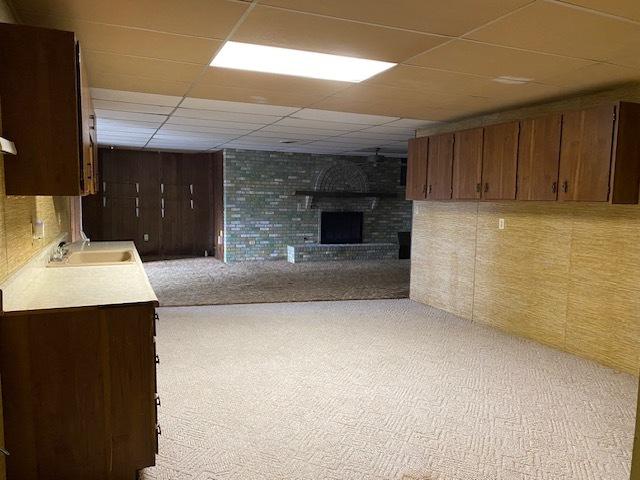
x=522 y=271
x=444 y=280
x=567 y=275
x=603 y=315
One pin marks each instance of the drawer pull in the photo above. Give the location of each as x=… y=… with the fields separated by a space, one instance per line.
x=157 y=359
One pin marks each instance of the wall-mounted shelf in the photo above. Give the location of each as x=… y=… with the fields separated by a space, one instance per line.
x=311 y=195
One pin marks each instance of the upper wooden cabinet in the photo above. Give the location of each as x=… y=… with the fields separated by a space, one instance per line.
x=585 y=157
x=417 y=169
x=440 y=167
x=500 y=161
x=46 y=112
x=539 y=158
x=467 y=164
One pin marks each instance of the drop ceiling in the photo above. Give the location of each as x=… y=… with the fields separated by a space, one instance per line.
x=148 y=64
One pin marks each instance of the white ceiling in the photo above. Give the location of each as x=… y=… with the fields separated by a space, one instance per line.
x=163 y=122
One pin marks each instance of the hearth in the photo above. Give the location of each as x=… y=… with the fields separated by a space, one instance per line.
x=341 y=227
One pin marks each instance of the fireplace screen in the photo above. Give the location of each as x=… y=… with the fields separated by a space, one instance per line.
x=341 y=227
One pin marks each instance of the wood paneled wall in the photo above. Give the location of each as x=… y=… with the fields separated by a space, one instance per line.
x=167 y=196
x=567 y=275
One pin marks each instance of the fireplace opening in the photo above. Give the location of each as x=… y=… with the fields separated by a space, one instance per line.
x=341 y=227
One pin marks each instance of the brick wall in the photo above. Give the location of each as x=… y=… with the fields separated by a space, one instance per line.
x=262 y=216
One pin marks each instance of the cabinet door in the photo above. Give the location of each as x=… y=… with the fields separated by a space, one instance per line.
x=539 y=158
x=585 y=154
x=467 y=164
x=440 y=167
x=500 y=161
x=417 y=169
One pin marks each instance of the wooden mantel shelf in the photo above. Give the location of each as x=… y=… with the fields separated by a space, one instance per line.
x=326 y=194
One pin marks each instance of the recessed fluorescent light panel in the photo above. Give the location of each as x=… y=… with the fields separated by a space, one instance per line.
x=285 y=61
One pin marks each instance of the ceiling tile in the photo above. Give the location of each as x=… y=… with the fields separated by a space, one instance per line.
x=239 y=107
x=287 y=129
x=100 y=63
x=597 y=74
x=453 y=17
x=384 y=129
x=131 y=107
x=143 y=117
x=131 y=41
x=494 y=61
x=292 y=97
x=118 y=123
x=304 y=123
x=173 y=128
x=226 y=116
x=288 y=136
x=281 y=28
x=560 y=29
x=131 y=83
x=344 y=117
x=381 y=137
x=202 y=18
x=134 y=97
x=622 y=8
x=201 y=122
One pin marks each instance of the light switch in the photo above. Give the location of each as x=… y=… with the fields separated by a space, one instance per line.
x=501 y=224
x=146 y=237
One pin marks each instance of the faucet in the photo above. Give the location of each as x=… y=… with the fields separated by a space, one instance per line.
x=60 y=252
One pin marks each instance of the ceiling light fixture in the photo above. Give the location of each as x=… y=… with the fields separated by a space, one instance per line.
x=508 y=80
x=285 y=61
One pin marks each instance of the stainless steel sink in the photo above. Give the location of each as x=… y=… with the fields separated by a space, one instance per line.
x=95 y=258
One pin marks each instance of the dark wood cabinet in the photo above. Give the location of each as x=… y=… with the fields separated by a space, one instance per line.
x=440 y=167
x=585 y=156
x=500 y=161
x=467 y=164
x=167 y=203
x=590 y=155
x=417 y=168
x=79 y=392
x=44 y=112
x=539 y=158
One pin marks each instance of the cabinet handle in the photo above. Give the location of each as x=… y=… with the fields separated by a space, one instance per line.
x=565 y=186
x=158 y=400
x=158 y=429
x=429 y=189
x=554 y=187
x=156 y=316
x=157 y=359
x=478 y=187
x=486 y=187
x=424 y=188
x=4 y=452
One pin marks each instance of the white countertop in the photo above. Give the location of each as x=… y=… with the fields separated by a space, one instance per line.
x=38 y=287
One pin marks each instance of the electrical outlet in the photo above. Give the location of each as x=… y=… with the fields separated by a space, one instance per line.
x=501 y=224
x=146 y=237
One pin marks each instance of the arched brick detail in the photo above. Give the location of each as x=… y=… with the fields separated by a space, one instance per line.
x=342 y=177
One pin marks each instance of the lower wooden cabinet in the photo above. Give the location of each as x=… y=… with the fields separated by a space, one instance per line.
x=79 y=392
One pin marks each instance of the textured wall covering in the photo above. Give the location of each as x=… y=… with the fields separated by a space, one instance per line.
x=262 y=216
x=564 y=274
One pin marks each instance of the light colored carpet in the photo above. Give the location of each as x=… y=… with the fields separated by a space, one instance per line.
x=207 y=281
x=384 y=389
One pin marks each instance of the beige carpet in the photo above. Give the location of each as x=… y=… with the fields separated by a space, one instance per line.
x=385 y=389
x=207 y=281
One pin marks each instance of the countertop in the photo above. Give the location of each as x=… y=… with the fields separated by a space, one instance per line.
x=38 y=287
